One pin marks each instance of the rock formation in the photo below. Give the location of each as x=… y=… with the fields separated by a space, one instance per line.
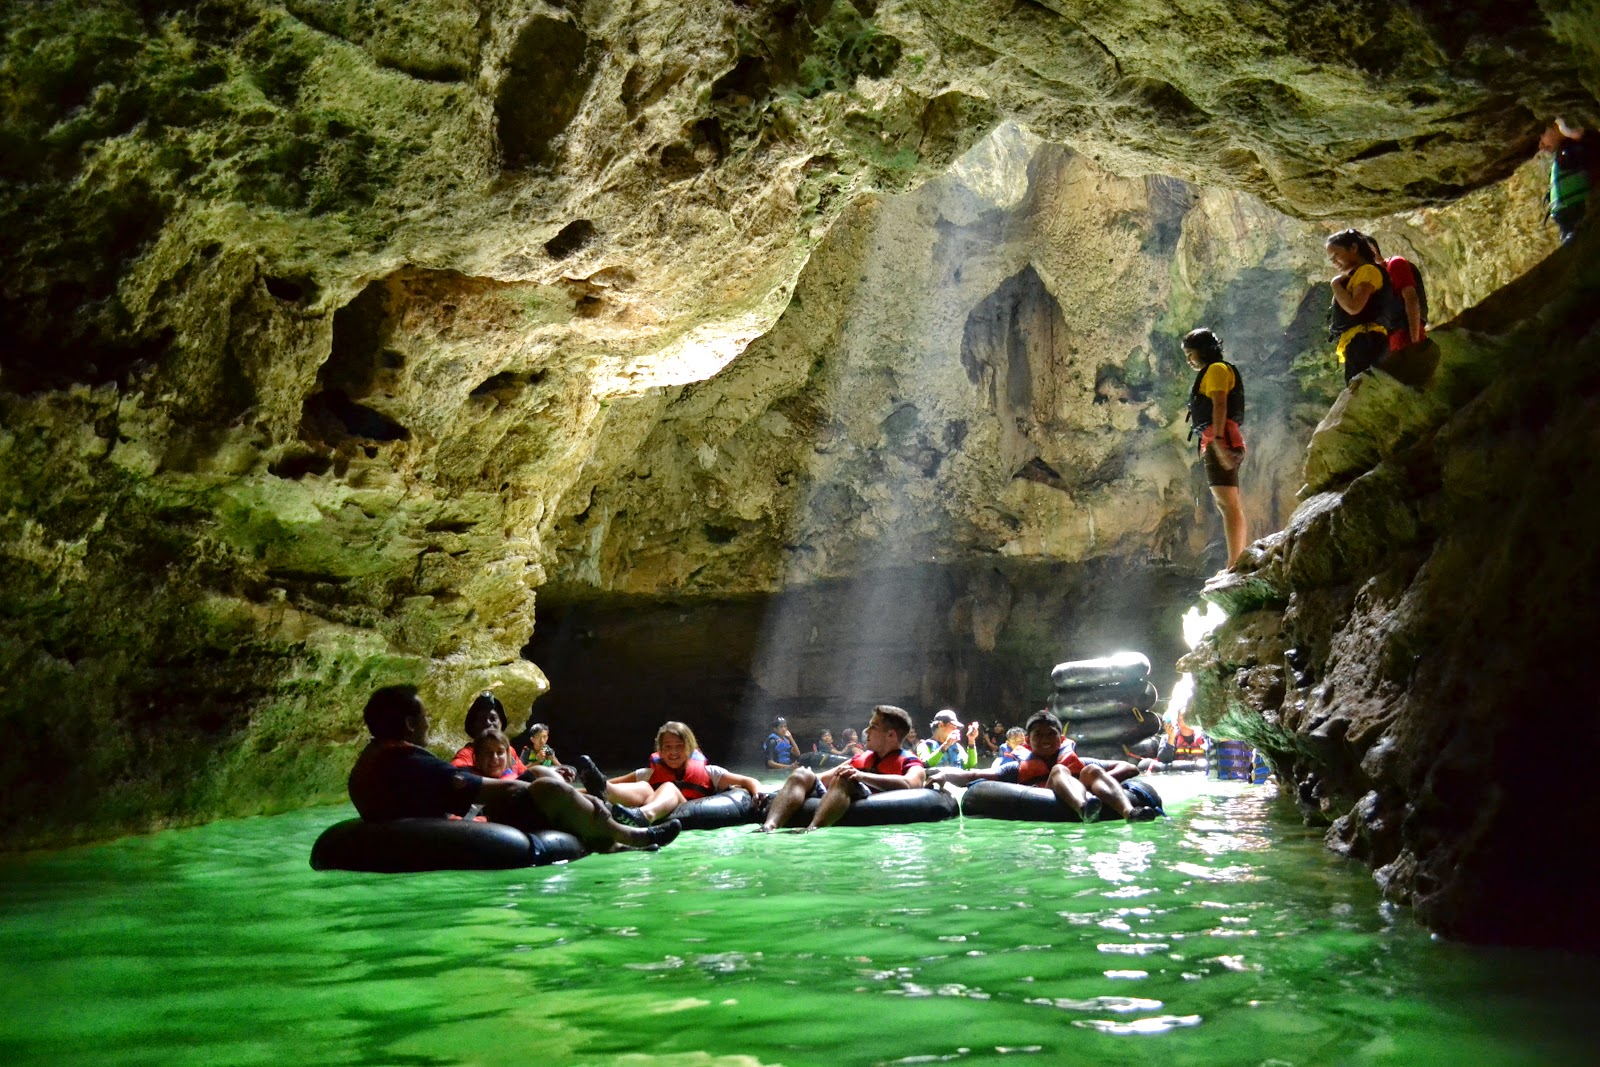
x=333 y=330
x=1412 y=649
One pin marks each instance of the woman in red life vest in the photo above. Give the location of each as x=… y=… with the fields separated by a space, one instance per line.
x=1086 y=788
x=492 y=755
x=678 y=771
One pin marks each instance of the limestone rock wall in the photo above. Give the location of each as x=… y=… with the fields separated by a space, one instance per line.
x=1413 y=649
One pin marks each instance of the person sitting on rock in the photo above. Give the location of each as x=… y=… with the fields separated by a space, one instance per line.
x=945 y=749
x=1085 y=787
x=1362 y=296
x=483 y=714
x=781 y=749
x=884 y=766
x=678 y=772
x=395 y=777
x=1216 y=410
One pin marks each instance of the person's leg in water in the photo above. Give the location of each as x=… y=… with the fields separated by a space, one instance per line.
x=1070 y=791
x=835 y=802
x=790 y=798
x=585 y=817
x=595 y=784
x=1231 y=508
x=1110 y=792
x=653 y=803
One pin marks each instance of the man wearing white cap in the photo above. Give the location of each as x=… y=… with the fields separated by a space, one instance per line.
x=945 y=749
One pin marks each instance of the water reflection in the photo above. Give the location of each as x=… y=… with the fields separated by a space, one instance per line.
x=152 y=951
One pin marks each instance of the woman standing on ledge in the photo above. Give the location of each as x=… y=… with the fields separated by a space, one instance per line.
x=1216 y=408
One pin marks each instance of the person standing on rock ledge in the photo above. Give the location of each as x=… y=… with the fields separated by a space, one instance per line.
x=1570 y=175
x=1216 y=408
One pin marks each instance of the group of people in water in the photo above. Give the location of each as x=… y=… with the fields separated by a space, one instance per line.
x=1380 y=307
x=519 y=782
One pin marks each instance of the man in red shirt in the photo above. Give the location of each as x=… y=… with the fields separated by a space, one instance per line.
x=1051 y=762
x=1403 y=276
x=885 y=765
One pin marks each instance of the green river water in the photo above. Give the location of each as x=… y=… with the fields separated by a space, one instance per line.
x=1225 y=935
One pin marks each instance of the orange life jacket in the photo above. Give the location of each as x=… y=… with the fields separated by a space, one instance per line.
x=694 y=781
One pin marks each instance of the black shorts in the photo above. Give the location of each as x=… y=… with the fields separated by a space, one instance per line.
x=857 y=791
x=518 y=809
x=1365 y=351
x=1215 y=474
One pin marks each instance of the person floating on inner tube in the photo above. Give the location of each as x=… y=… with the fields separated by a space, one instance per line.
x=678 y=772
x=395 y=777
x=535 y=750
x=1015 y=747
x=781 y=749
x=492 y=755
x=945 y=749
x=852 y=743
x=884 y=766
x=1086 y=788
x=484 y=713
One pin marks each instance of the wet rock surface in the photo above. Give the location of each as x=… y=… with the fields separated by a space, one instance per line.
x=1417 y=662
x=333 y=332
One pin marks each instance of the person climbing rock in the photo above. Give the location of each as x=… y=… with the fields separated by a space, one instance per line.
x=1570 y=176
x=1216 y=408
x=1363 y=303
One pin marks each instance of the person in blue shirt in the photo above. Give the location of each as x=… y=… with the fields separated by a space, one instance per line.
x=1015 y=749
x=781 y=749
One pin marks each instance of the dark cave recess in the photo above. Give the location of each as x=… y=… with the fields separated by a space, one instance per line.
x=980 y=637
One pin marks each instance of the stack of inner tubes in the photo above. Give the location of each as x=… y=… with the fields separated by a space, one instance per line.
x=1104 y=704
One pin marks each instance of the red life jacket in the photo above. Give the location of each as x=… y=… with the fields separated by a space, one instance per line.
x=897 y=762
x=1189 y=746
x=1033 y=770
x=694 y=781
